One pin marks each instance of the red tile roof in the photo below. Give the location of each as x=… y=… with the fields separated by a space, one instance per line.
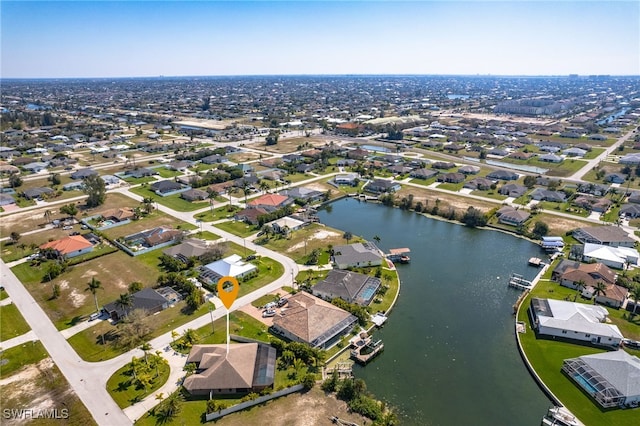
x=68 y=244
x=271 y=200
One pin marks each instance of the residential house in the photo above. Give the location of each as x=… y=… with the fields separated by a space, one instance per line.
x=349 y=286
x=187 y=249
x=596 y=204
x=6 y=199
x=311 y=320
x=153 y=237
x=423 y=173
x=194 y=195
x=71 y=246
x=305 y=168
x=469 y=170
x=541 y=194
x=83 y=173
x=231 y=266
x=147 y=299
x=36 y=193
x=630 y=210
x=140 y=172
x=36 y=167
x=513 y=190
x=614 y=257
x=574 y=321
x=502 y=175
x=380 y=186
x=510 y=216
x=605 y=235
x=615 y=177
x=550 y=158
x=358 y=154
x=443 y=165
x=167 y=187
x=575 y=152
x=307 y=195
x=611 y=378
x=179 y=165
x=73 y=186
x=451 y=177
x=479 y=183
x=519 y=155
x=346 y=179
x=286 y=224
x=250 y=215
x=357 y=254
x=270 y=202
x=244 y=368
x=214 y=159
x=118 y=214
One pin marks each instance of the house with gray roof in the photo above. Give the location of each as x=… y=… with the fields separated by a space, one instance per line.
x=510 y=216
x=513 y=190
x=357 y=254
x=423 y=173
x=307 y=195
x=612 y=378
x=503 y=175
x=36 y=193
x=379 y=186
x=349 y=286
x=631 y=210
x=541 y=194
x=6 y=199
x=605 y=235
x=83 y=173
x=147 y=299
x=311 y=320
x=36 y=166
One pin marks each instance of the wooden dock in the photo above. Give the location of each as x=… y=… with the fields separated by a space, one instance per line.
x=365 y=349
x=399 y=255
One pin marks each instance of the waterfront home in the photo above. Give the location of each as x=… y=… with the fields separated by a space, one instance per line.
x=349 y=286
x=574 y=321
x=356 y=255
x=71 y=246
x=510 y=216
x=346 y=179
x=612 y=379
x=231 y=266
x=613 y=296
x=380 y=186
x=311 y=320
x=606 y=235
x=613 y=257
x=270 y=202
x=286 y=224
x=569 y=272
x=247 y=367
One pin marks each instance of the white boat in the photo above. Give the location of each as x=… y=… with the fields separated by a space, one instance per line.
x=559 y=416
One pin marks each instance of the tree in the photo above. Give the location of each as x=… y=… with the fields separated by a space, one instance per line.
x=580 y=285
x=55 y=179
x=635 y=294
x=474 y=217
x=147 y=204
x=169 y=409
x=15 y=180
x=69 y=209
x=93 y=286
x=212 y=196
x=540 y=229
x=377 y=239
x=146 y=347
x=124 y=302
x=599 y=290
x=95 y=188
x=529 y=181
x=347 y=236
x=134 y=287
x=47 y=215
x=272 y=138
x=14 y=236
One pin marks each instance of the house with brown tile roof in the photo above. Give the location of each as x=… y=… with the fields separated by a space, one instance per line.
x=270 y=202
x=71 y=246
x=118 y=214
x=250 y=215
x=248 y=367
x=311 y=320
x=568 y=273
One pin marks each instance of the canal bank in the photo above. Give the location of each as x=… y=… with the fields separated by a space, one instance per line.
x=450 y=356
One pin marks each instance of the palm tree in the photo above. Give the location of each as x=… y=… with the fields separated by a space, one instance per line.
x=347 y=236
x=264 y=186
x=635 y=294
x=93 y=286
x=124 y=302
x=580 y=285
x=376 y=238
x=212 y=195
x=147 y=204
x=47 y=215
x=599 y=290
x=245 y=189
x=146 y=347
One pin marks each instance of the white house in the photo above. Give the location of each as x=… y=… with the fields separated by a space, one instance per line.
x=576 y=321
x=611 y=378
x=232 y=266
x=614 y=257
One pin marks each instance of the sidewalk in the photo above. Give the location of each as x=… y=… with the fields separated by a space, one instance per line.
x=29 y=336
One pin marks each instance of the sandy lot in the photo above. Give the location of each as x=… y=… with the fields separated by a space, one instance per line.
x=319 y=235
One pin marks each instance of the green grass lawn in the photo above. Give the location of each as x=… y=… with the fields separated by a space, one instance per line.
x=140 y=180
x=12 y=324
x=124 y=393
x=3 y=294
x=268 y=271
x=238 y=228
x=174 y=201
x=166 y=173
x=546 y=356
x=224 y=212
x=19 y=356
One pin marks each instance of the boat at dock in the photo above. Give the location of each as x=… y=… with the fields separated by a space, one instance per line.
x=560 y=416
x=364 y=348
x=399 y=255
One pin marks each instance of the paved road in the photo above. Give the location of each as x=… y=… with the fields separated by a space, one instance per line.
x=92 y=392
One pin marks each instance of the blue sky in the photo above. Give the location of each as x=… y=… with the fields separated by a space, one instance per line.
x=178 y=38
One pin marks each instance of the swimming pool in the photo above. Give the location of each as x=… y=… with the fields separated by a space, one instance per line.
x=585 y=384
x=367 y=293
x=375 y=148
x=106 y=223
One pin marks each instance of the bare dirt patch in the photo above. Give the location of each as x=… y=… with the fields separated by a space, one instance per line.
x=319 y=235
x=311 y=408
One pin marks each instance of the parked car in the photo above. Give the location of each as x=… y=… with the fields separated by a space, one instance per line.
x=282 y=302
x=94 y=316
x=631 y=343
x=270 y=305
x=268 y=313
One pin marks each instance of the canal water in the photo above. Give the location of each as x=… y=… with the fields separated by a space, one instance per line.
x=450 y=354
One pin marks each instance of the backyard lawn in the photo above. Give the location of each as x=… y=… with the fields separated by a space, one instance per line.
x=174 y=201
x=12 y=359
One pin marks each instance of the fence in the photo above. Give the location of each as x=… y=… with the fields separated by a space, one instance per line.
x=260 y=400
